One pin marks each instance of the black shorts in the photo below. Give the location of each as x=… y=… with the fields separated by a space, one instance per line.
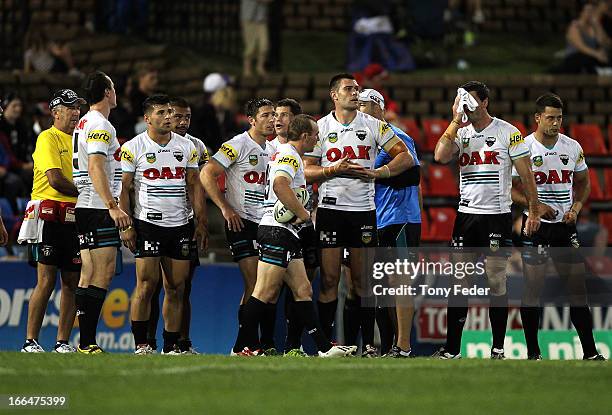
x=157 y=241
x=310 y=246
x=59 y=247
x=278 y=246
x=96 y=229
x=339 y=228
x=482 y=231
x=243 y=244
x=551 y=235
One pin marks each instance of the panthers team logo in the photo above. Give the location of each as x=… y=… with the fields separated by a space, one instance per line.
x=332 y=137
x=178 y=154
x=361 y=134
x=564 y=158
x=537 y=161
x=465 y=141
x=253 y=160
x=490 y=141
x=151 y=157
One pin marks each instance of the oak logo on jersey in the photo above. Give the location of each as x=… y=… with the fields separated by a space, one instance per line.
x=516 y=138
x=490 y=141
x=538 y=161
x=253 y=159
x=178 y=154
x=164 y=173
x=553 y=177
x=361 y=134
x=291 y=161
x=335 y=154
x=465 y=141
x=151 y=157
x=384 y=128
x=332 y=137
x=490 y=157
x=102 y=136
x=117 y=154
x=229 y=151
x=564 y=159
x=253 y=177
x=127 y=155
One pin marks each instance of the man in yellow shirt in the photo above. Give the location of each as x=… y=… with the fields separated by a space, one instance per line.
x=58 y=244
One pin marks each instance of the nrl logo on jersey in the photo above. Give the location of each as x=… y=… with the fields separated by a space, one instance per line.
x=564 y=158
x=151 y=157
x=537 y=161
x=490 y=141
x=466 y=142
x=178 y=155
x=253 y=160
x=361 y=134
x=332 y=137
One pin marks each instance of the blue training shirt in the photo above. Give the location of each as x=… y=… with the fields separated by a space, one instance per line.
x=393 y=206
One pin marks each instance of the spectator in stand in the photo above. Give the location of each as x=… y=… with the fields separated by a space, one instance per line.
x=586 y=45
x=374 y=76
x=41 y=118
x=122 y=117
x=215 y=120
x=144 y=85
x=254 y=20
x=46 y=56
x=17 y=139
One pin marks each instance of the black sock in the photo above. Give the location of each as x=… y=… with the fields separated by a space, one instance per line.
x=139 y=329
x=498 y=316
x=327 y=316
x=93 y=301
x=152 y=342
x=184 y=344
x=583 y=322
x=351 y=320
x=170 y=340
x=530 y=316
x=367 y=318
x=385 y=327
x=81 y=306
x=294 y=325
x=268 y=322
x=254 y=311
x=154 y=314
x=239 y=345
x=306 y=314
x=455 y=319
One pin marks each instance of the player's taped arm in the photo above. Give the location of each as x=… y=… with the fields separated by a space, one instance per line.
x=446 y=147
x=314 y=172
x=99 y=180
x=401 y=159
x=581 y=188
x=282 y=189
x=59 y=182
x=127 y=188
x=208 y=177
x=523 y=168
x=195 y=192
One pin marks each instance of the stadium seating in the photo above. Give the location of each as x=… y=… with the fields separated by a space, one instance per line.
x=590 y=138
x=608 y=182
x=409 y=125
x=442 y=221
x=433 y=129
x=596 y=192
x=605 y=219
x=425 y=228
x=441 y=181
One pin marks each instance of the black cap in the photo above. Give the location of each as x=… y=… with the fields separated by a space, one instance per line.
x=65 y=97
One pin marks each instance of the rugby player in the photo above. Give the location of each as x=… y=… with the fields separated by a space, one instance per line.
x=280 y=253
x=163 y=166
x=346 y=215
x=244 y=160
x=182 y=120
x=487 y=148
x=3 y=232
x=563 y=185
x=97 y=175
x=398 y=216
x=58 y=246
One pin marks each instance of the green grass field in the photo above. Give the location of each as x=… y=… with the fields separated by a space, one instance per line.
x=126 y=384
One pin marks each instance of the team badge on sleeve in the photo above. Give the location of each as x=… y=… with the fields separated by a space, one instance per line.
x=516 y=138
x=99 y=135
x=229 y=151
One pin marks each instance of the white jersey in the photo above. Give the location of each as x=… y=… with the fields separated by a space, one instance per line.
x=553 y=169
x=359 y=141
x=160 y=183
x=203 y=158
x=245 y=164
x=485 y=166
x=288 y=161
x=94 y=134
x=274 y=145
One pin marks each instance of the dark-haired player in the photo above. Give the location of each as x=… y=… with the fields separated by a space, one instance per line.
x=487 y=149
x=244 y=160
x=563 y=185
x=97 y=175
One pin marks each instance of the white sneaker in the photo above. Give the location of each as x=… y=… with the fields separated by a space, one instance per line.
x=191 y=350
x=32 y=347
x=143 y=349
x=64 y=348
x=339 y=351
x=174 y=352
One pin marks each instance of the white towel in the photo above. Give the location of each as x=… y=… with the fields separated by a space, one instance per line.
x=31 y=228
x=465 y=99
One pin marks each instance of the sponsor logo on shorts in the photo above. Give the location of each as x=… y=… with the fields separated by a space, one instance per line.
x=332 y=137
x=366 y=237
x=253 y=160
x=185 y=247
x=574 y=240
x=361 y=134
x=329 y=200
x=102 y=136
x=154 y=216
x=537 y=161
x=178 y=154
x=490 y=141
x=151 y=157
x=229 y=151
x=494 y=241
x=46 y=250
x=564 y=158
